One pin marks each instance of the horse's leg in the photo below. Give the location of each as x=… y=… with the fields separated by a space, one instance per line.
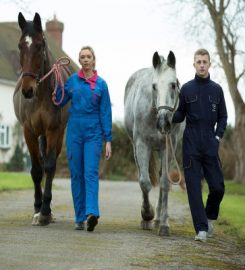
x=159 y=203
x=42 y=147
x=53 y=146
x=36 y=168
x=142 y=156
x=163 y=200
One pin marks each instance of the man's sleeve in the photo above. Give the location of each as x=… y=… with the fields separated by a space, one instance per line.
x=222 y=117
x=179 y=115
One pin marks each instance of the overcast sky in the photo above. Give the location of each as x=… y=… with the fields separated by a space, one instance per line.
x=124 y=34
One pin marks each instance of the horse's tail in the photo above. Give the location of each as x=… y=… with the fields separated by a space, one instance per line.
x=153 y=173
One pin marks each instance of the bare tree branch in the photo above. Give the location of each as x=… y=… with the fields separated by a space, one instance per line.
x=240 y=75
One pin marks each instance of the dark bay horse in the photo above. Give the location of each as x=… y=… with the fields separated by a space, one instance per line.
x=151 y=97
x=43 y=122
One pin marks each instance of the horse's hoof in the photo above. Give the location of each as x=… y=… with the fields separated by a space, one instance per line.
x=147 y=214
x=52 y=219
x=163 y=231
x=156 y=224
x=35 y=218
x=45 y=220
x=146 y=225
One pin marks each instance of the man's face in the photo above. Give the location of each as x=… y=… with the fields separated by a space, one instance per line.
x=202 y=64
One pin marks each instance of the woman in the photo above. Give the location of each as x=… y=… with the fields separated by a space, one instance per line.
x=89 y=123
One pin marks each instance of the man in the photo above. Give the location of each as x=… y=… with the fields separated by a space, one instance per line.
x=202 y=103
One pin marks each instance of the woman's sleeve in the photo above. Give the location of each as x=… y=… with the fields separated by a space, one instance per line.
x=67 y=93
x=106 y=114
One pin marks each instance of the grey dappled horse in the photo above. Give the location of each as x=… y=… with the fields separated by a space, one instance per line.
x=151 y=97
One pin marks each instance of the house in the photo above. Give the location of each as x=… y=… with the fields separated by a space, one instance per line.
x=9 y=73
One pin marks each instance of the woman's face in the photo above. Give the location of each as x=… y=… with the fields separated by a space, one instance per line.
x=87 y=60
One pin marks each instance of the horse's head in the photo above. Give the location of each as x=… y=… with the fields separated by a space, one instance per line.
x=32 y=53
x=165 y=90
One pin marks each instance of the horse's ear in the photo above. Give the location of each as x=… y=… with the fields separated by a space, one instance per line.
x=156 y=60
x=171 y=61
x=37 y=22
x=21 y=21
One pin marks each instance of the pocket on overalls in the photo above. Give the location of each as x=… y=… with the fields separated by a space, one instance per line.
x=96 y=98
x=187 y=163
x=191 y=99
x=193 y=106
x=68 y=154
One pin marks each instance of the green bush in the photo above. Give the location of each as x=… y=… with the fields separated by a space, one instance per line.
x=121 y=165
x=16 y=163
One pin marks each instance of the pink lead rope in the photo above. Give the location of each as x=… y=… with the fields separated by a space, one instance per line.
x=56 y=69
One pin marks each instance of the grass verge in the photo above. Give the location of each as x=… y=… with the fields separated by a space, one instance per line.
x=232 y=212
x=15 y=181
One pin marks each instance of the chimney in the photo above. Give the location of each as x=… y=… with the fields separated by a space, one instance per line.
x=55 y=29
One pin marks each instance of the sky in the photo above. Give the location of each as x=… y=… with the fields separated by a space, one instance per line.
x=124 y=34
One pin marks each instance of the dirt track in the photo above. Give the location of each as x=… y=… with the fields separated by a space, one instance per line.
x=117 y=243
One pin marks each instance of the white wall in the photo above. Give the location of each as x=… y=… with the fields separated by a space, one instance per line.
x=7 y=115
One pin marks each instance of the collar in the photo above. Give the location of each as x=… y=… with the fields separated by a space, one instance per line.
x=91 y=80
x=202 y=80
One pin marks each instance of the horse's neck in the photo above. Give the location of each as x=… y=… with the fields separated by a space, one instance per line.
x=46 y=87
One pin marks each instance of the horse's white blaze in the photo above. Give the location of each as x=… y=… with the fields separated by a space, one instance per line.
x=28 y=41
x=163 y=85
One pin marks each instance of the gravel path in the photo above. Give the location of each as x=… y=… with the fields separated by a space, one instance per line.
x=117 y=242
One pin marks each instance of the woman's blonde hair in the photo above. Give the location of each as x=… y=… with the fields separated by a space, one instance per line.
x=91 y=50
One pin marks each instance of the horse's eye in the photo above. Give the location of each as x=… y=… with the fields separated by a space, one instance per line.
x=154 y=87
x=19 y=46
x=38 y=46
x=173 y=86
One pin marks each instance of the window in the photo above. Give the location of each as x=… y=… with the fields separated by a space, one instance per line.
x=4 y=136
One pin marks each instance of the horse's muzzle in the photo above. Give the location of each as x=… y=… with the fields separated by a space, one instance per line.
x=28 y=93
x=164 y=123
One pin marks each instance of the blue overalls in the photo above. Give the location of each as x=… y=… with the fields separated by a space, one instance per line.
x=202 y=103
x=89 y=123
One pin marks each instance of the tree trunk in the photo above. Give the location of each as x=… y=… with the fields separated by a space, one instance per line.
x=226 y=47
x=239 y=146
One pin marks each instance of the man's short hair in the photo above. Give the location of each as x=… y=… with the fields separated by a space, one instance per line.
x=202 y=52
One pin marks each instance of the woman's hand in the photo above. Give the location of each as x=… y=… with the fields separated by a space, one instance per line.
x=108 y=151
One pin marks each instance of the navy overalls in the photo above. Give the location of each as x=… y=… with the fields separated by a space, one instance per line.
x=202 y=103
x=90 y=122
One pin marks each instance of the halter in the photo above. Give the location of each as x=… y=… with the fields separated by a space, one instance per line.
x=62 y=62
x=30 y=74
x=165 y=107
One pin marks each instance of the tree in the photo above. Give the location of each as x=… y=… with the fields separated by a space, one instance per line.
x=224 y=20
x=227 y=19
x=16 y=163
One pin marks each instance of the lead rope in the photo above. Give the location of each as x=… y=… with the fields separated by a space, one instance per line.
x=168 y=136
x=56 y=69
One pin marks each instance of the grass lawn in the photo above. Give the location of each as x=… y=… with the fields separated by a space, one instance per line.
x=232 y=211
x=15 y=181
